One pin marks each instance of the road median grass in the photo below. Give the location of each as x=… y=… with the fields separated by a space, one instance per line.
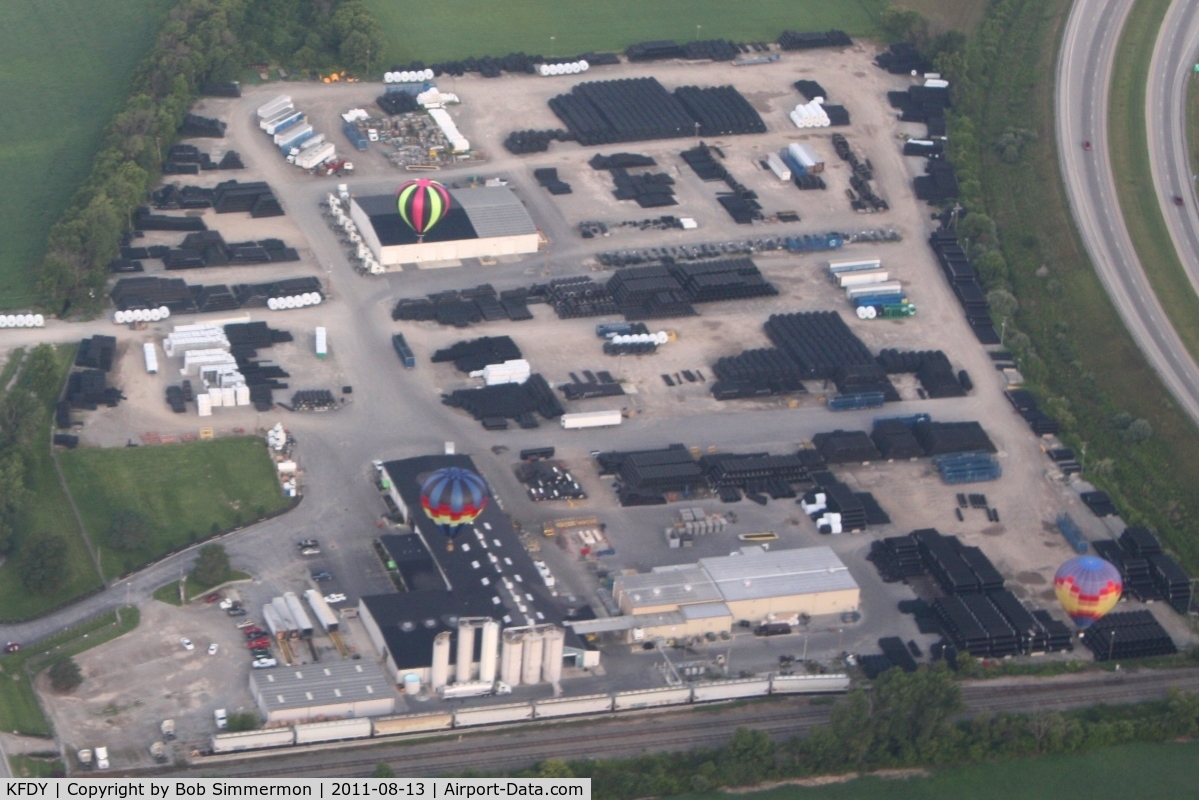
x=170 y=592
x=187 y=492
x=1140 y=202
x=19 y=709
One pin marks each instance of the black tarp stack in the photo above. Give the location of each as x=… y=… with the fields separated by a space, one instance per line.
x=1100 y=503
x=217 y=297
x=145 y=220
x=963 y=279
x=902 y=59
x=940 y=438
x=209 y=249
x=648 y=189
x=195 y=126
x=254 y=336
x=535 y=141
x=650 y=292
x=1026 y=406
x=896 y=558
x=645 y=476
x=255 y=197
x=174 y=198
x=396 y=103
x=548 y=177
x=755 y=472
x=791 y=40
x=313 y=400
x=627 y=110
x=938 y=184
x=88 y=388
x=186 y=159
x=621 y=161
x=96 y=352
x=845 y=447
x=895 y=439
x=473 y=355
x=720 y=110
x=603 y=385
x=148 y=292
x=255 y=295
x=1127 y=634
x=711 y=49
x=495 y=405
x=463 y=308
x=925 y=104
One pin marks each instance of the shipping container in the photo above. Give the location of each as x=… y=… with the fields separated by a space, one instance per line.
x=322 y=343
x=303 y=624
x=591 y=419
x=649 y=698
x=279 y=116
x=886 y=287
x=860 y=277
x=308 y=144
x=806 y=684
x=292 y=133
x=403 y=350
x=492 y=715
x=277 y=125
x=413 y=723
x=724 y=690
x=253 y=740
x=356 y=137
x=336 y=731
x=308 y=159
x=780 y=170
x=804 y=157
x=835 y=267
x=565 y=706
x=320 y=609
x=274 y=107
x=294 y=146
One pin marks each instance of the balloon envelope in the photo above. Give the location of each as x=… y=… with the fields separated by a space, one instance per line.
x=422 y=203
x=1087 y=587
x=453 y=498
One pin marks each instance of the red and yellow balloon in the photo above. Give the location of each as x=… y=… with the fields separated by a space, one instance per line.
x=1087 y=587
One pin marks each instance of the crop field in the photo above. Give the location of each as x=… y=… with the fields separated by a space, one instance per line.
x=185 y=490
x=461 y=28
x=66 y=66
x=1114 y=773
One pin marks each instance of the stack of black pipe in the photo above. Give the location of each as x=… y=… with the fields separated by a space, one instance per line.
x=896 y=558
x=548 y=177
x=940 y=438
x=96 y=352
x=819 y=341
x=628 y=110
x=720 y=110
x=902 y=59
x=895 y=439
x=195 y=126
x=649 y=190
x=313 y=400
x=1026 y=406
x=148 y=292
x=845 y=447
x=711 y=49
x=507 y=401
x=475 y=354
x=1127 y=634
x=790 y=40
x=144 y=220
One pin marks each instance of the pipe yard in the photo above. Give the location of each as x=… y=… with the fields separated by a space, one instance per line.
x=677 y=391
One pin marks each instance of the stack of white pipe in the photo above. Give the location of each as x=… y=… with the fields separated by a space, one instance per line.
x=568 y=68
x=810 y=115
x=659 y=338
x=408 y=76
x=294 y=301
x=141 y=315
x=22 y=321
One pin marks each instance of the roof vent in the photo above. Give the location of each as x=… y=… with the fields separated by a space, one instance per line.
x=407 y=625
x=746 y=582
x=430 y=623
x=657 y=590
x=686 y=587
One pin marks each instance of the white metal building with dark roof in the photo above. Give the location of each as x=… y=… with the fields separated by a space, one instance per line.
x=486 y=221
x=336 y=689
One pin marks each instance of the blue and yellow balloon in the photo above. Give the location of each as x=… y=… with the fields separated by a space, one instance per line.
x=453 y=498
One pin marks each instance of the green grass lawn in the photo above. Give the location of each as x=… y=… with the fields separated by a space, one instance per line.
x=64 y=69
x=48 y=513
x=461 y=28
x=1128 y=772
x=19 y=710
x=1139 y=199
x=184 y=489
x=26 y=767
x=170 y=592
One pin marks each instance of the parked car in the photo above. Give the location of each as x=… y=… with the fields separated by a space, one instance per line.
x=236 y=611
x=213 y=648
x=212 y=598
x=254 y=632
x=261 y=652
x=12 y=647
x=187 y=644
x=246 y=625
x=221 y=719
x=306 y=543
x=263 y=663
x=261 y=641
x=336 y=597
x=322 y=575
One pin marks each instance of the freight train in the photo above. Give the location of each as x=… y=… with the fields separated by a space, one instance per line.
x=406 y=724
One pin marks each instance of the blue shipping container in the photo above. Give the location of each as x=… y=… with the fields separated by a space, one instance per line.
x=1069 y=529
x=357 y=137
x=849 y=402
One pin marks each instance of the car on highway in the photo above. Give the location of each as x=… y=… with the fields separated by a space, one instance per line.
x=322 y=575
x=12 y=647
x=263 y=663
x=187 y=644
x=1177 y=200
x=213 y=648
x=1086 y=145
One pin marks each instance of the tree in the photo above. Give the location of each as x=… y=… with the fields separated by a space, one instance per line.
x=383 y=770
x=555 y=768
x=1002 y=302
x=244 y=721
x=14 y=495
x=65 y=674
x=212 y=566
x=748 y=757
x=42 y=564
x=1137 y=431
x=130 y=530
x=902 y=25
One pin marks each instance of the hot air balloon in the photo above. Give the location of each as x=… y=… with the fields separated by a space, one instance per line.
x=453 y=498
x=1087 y=587
x=422 y=203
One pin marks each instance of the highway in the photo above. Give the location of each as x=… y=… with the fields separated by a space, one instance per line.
x=1083 y=79
x=1166 y=119
x=639 y=732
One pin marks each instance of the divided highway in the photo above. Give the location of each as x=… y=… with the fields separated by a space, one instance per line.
x=1083 y=79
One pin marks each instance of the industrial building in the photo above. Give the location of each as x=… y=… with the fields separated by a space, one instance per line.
x=328 y=691
x=482 y=222
x=484 y=600
x=754 y=585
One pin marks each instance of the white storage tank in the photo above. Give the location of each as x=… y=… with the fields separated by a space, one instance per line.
x=440 y=671
x=489 y=651
x=551 y=662
x=466 y=651
x=534 y=652
x=511 y=654
x=411 y=683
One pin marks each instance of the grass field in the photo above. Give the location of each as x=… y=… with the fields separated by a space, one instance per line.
x=48 y=513
x=26 y=767
x=65 y=68
x=1129 y=772
x=1193 y=121
x=184 y=489
x=1139 y=199
x=19 y=710
x=962 y=16
x=461 y=28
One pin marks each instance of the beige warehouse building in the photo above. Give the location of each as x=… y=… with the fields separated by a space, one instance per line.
x=714 y=594
x=483 y=222
x=337 y=689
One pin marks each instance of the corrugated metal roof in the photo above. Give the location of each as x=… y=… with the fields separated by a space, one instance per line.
x=705 y=611
x=494 y=211
x=757 y=573
x=612 y=624
x=676 y=586
x=320 y=684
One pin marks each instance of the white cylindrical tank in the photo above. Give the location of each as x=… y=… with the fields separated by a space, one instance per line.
x=510 y=657
x=272 y=304
x=411 y=683
x=441 y=661
x=489 y=651
x=534 y=647
x=466 y=651
x=551 y=660
x=165 y=311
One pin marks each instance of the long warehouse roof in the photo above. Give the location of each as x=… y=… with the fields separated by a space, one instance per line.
x=321 y=684
x=756 y=573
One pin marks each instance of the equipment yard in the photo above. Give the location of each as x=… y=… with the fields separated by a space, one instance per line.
x=580 y=566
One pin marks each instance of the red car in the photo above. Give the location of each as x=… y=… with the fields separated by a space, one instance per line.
x=212 y=598
x=1086 y=145
x=1177 y=200
x=253 y=632
x=254 y=644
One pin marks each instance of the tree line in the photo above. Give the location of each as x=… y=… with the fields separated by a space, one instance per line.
x=201 y=41
x=901 y=720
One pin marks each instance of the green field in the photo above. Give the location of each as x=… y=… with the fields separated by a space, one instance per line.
x=461 y=28
x=48 y=513
x=1193 y=121
x=19 y=709
x=64 y=69
x=184 y=489
x=1129 y=772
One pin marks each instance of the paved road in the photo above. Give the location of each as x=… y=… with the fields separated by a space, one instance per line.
x=1083 y=79
x=629 y=735
x=1166 y=118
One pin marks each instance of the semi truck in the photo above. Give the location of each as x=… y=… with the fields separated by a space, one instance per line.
x=314 y=157
x=474 y=689
x=591 y=419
